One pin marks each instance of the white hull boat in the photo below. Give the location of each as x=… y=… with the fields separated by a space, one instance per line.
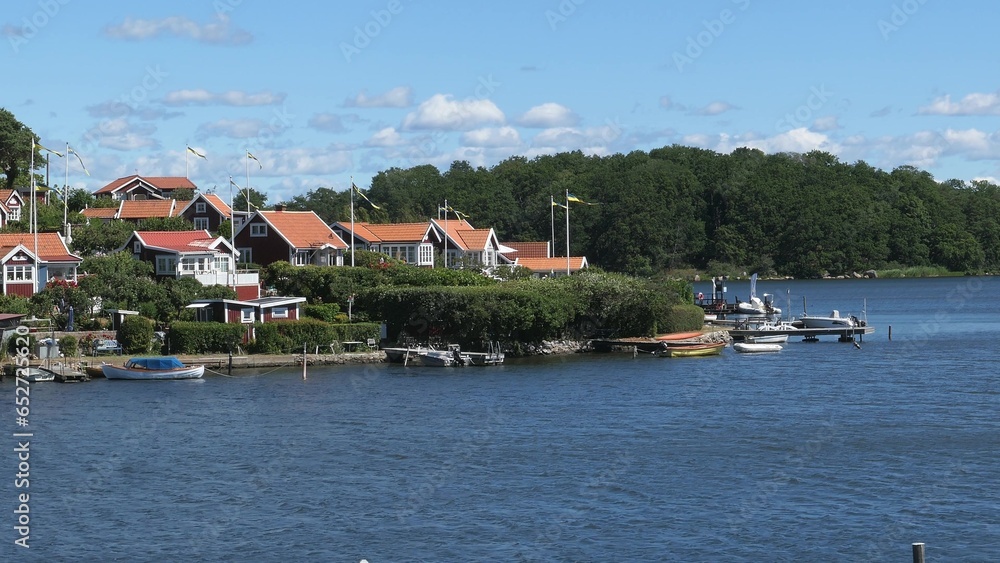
x=750 y=347
x=834 y=320
x=152 y=369
x=768 y=339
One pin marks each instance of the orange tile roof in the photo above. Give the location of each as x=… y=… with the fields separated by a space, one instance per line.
x=100 y=212
x=399 y=232
x=218 y=203
x=556 y=265
x=147 y=208
x=158 y=182
x=302 y=229
x=51 y=246
x=179 y=241
x=528 y=249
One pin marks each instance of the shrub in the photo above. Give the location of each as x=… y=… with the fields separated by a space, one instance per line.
x=68 y=346
x=326 y=312
x=135 y=334
x=200 y=337
x=683 y=318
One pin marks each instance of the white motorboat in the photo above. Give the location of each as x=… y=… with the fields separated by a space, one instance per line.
x=166 y=367
x=756 y=305
x=768 y=338
x=750 y=347
x=834 y=320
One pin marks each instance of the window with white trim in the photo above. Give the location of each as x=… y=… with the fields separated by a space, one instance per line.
x=137 y=247
x=279 y=313
x=222 y=263
x=302 y=257
x=20 y=273
x=200 y=223
x=199 y=207
x=258 y=229
x=166 y=265
x=246 y=255
x=426 y=254
x=246 y=315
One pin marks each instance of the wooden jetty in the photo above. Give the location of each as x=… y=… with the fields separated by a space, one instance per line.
x=844 y=334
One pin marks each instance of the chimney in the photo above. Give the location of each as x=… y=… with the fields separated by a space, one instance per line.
x=279 y=207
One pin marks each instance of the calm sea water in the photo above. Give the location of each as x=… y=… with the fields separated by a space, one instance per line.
x=820 y=452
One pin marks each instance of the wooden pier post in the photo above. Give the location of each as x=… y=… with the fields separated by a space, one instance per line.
x=890 y=332
x=918 y=553
x=305 y=362
x=230 y=361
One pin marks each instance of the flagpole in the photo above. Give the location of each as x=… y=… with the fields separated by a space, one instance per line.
x=446 y=234
x=66 y=195
x=232 y=231
x=33 y=220
x=567 y=232
x=352 y=221
x=248 y=182
x=187 y=173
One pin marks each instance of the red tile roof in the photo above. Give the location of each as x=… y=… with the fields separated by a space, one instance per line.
x=527 y=249
x=51 y=246
x=391 y=232
x=302 y=229
x=147 y=208
x=219 y=204
x=158 y=182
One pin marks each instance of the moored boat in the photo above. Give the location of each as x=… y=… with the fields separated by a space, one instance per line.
x=777 y=338
x=167 y=367
x=692 y=350
x=751 y=347
x=680 y=335
x=834 y=320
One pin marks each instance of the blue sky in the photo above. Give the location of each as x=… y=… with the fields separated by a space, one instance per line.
x=321 y=92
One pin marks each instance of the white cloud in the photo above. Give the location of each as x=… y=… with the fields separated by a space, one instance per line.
x=399 y=97
x=715 y=108
x=233 y=128
x=666 y=102
x=799 y=140
x=121 y=109
x=230 y=98
x=826 y=123
x=548 y=115
x=441 y=111
x=591 y=140
x=218 y=32
x=387 y=137
x=122 y=135
x=492 y=137
x=328 y=122
x=309 y=161
x=972 y=104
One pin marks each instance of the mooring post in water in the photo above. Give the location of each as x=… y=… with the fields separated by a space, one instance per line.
x=304 y=361
x=890 y=332
x=918 y=553
x=230 y=361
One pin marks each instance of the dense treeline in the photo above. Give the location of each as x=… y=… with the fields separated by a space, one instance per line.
x=680 y=207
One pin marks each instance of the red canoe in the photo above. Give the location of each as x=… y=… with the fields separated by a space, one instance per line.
x=680 y=335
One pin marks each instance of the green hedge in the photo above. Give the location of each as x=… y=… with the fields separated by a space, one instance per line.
x=201 y=337
x=282 y=337
x=684 y=318
x=135 y=334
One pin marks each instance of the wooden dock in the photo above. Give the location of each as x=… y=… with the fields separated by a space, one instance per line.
x=844 y=334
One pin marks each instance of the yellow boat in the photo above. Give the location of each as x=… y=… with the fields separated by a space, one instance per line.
x=692 y=350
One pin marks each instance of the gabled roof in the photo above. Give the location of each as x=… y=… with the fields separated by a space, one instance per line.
x=213 y=201
x=181 y=242
x=147 y=208
x=100 y=212
x=466 y=237
x=385 y=233
x=300 y=229
x=556 y=265
x=161 y=183
x=527 y=249
x=51 y=246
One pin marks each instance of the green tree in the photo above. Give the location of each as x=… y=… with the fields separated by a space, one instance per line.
x=258 y=200
x=15 y=150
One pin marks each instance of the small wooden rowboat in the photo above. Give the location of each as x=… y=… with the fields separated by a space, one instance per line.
x=680 y=335
x=693 y=350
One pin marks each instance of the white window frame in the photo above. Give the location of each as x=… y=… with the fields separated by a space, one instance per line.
x=246 y=255
x=136 y=247
x=302 y=257
x=247 y=315
x=200 y=223
x=279 y=312
x=19 y=274
x=258 y=229
x=426 y=253
x=199 y=207
x=166 y=264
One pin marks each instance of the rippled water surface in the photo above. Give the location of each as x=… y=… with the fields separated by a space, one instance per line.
x=822 y=451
